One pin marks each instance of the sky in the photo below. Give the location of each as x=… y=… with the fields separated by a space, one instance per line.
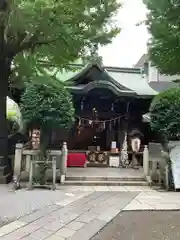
x=127 y=48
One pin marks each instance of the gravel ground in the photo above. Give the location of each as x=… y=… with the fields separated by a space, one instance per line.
x=142 y=225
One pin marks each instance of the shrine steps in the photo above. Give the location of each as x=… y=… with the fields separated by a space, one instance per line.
x=100 y=181
x=106 y=183
x=101 y=178
x=105 y=177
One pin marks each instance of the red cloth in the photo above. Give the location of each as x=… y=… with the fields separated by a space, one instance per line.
x=76 y=160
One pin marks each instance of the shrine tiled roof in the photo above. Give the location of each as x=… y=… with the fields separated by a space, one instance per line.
x=125 y=80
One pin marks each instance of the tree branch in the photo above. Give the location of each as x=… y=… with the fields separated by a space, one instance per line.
x=3 y=11
x=1 y=41
x=34 y=42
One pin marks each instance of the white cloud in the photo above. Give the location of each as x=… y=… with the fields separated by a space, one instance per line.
x=130 y=44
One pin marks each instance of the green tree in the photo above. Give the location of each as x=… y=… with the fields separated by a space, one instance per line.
x=165 y=114
x=165 y=120
x=37 y=34
x=45 y=107
x=163 y=22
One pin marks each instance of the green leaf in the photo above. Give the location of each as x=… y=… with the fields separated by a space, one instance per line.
x=163 y=22
x=47 y=105
x=165 y=114
x=58 y=32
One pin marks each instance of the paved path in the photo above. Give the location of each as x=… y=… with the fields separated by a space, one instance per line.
x=72 y=212
x=157 y=225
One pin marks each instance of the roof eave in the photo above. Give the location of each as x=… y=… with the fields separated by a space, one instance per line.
x=83 y=89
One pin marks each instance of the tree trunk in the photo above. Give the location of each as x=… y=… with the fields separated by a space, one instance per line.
x=44 y=140
x=4 y=76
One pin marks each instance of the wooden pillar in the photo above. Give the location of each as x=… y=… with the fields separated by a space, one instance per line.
x=108 y=137
x=119 y=134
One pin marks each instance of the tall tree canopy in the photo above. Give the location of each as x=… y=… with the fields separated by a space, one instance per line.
x=56 y=31
x=163 y=21
x=39 y=33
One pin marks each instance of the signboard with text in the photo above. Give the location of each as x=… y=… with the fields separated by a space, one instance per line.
x=175 y=159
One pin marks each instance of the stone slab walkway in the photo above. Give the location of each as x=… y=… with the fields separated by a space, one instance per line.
x=72 y=213
x=155 y=201
x=74 y=217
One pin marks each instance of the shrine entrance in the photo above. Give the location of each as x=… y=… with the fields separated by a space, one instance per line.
x=103 y=118
x=109 y=103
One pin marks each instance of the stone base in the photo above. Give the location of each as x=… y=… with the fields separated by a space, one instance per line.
x=62 y=178
x=100 y=165
x=5 y=175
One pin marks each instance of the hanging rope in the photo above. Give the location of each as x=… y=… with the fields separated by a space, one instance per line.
x=99 y=121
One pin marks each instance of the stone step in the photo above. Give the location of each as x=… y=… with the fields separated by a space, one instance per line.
x=102 y=178
x=105 y=183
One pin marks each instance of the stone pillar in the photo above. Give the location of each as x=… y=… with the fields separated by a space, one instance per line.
x=63 y=164
x=30 y=185
x=54 y=173
x=27 y=163
x=167 y=177
x=146 y=160
x=17 y=165
x=134 y=162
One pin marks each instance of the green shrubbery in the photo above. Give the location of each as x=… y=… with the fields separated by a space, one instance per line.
x=165 y=114
x=165 y=120
x=46 y=107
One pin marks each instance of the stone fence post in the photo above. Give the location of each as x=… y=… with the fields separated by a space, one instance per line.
x=54 y=173
x=17 y=165
x=63 y=164
x=27 y=163
x=146 y=161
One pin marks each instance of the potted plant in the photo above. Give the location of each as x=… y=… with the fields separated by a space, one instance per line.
x=165 y=120
x=44 y=107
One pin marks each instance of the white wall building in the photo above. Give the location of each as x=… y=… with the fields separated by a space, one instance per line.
x=156 y=81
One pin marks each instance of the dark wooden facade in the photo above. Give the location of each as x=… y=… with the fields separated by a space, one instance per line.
x=100 y=100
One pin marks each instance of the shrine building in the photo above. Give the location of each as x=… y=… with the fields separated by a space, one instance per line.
x=109 y=106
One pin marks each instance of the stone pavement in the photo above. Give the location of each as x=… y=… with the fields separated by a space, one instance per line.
x=73 y=212
x=157 y=225
x=155 y=201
